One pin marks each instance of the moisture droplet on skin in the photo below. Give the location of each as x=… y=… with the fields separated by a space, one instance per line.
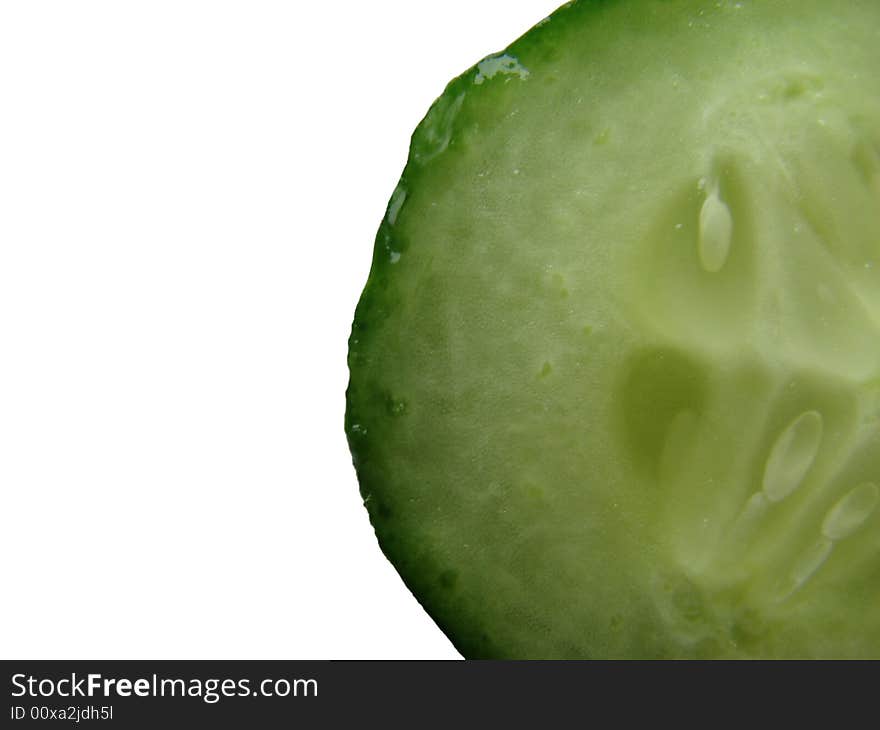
x=489 y=67
x=398 y=198
x=792 y=456
x=716 y=229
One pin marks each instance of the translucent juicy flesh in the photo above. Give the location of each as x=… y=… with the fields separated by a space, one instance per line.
x=615 y=377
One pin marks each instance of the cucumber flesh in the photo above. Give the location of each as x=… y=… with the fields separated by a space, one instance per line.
x=615 y=375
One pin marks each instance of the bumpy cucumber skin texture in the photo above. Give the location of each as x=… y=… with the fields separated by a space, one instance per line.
x=536 y=428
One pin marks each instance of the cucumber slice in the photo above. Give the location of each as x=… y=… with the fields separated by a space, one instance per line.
x=615 y=375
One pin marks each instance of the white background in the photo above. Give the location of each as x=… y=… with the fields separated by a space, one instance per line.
x=189 y=193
